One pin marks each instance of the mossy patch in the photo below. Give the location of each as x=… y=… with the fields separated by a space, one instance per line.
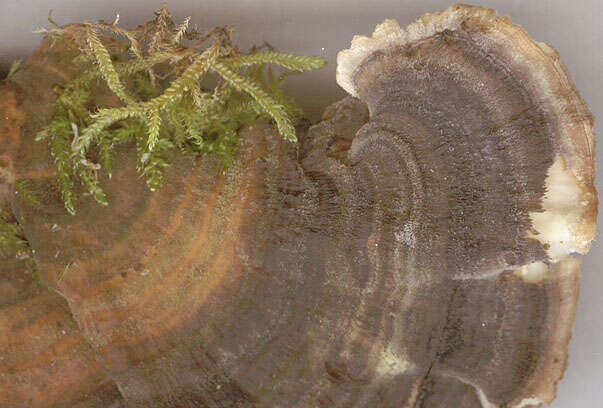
x=159 y=72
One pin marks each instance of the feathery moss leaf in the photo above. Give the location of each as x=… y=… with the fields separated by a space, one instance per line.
x=275 y=110
x=13 y=242
x=284 y=59
x=23 y=189
x=105 y=65
x=59 y=149
x=154 y=126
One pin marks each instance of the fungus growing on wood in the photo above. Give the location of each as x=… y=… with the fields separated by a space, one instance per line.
x=416 y=248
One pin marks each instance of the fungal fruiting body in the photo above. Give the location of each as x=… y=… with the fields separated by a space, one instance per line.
x=499 y=150
x=415 y=249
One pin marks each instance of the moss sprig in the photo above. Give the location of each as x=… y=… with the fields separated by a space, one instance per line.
x=165 y=103
x=105 y=65
x=13 y=243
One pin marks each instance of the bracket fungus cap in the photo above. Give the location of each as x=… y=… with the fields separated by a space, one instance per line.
x=487 y=128
x=565 y=223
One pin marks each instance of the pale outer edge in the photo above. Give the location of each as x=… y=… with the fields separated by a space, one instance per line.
x=541 y=388
x=575 y=224
x=389 y=34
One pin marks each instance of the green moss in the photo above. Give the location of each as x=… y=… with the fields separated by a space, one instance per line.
x=163 y=104
x=63 y=273
x=24 y=190
x=14 y=244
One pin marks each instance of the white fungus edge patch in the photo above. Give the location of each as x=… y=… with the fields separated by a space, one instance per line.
x=563 y=205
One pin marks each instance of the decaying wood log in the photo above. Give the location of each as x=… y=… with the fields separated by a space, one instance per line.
x=415 y=249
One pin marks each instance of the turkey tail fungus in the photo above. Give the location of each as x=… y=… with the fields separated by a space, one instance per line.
x=417 y=248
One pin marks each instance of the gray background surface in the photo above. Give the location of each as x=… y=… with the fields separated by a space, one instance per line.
x=322 y=28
